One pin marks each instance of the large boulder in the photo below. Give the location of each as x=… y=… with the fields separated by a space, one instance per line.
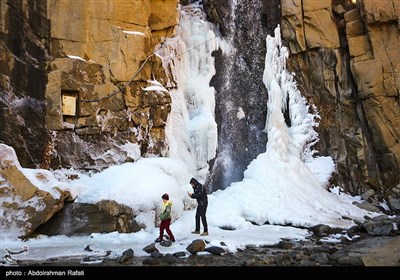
x=85 y=218
x=24 y=206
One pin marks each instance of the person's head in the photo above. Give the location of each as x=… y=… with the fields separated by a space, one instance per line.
x=193 y=182
x=165 y=196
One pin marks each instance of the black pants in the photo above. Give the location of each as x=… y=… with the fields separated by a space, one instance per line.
x=201 y=213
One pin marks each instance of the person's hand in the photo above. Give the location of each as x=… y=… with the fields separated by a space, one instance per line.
x=189 y=194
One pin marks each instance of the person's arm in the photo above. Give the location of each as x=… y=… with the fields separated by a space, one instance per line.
x=199 y=193
x=195 y=194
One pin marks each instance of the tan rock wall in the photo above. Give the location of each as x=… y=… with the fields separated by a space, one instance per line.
x=377 y=75
x=320 y=29
x=99 y=53
x=117 y=34
x=356 y=48
x=104 y=53
x=309 y=24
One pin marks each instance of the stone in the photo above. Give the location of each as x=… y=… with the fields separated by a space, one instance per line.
x=354 y=28
x=27 y=206
x=196 y=246
x=83 y=219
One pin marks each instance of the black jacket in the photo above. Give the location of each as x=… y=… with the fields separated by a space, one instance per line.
x=200 y=192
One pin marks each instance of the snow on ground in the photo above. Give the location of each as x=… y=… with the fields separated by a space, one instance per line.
x=232 y=209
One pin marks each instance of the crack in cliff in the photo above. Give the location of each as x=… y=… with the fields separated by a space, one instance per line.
x=304 y=26
x=371 y=164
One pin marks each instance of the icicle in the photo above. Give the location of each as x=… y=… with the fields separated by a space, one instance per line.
x=300 y=136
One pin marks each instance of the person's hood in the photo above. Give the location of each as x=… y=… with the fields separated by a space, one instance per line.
x=194 y=181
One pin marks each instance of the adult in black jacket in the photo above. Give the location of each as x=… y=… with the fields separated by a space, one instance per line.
x=200 y=194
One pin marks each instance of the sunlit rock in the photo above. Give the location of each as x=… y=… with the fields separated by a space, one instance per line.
x=23 y=206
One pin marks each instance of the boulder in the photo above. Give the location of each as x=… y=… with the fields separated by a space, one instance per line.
x=23 y=205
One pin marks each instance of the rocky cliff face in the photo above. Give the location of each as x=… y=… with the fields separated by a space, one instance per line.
x=345 y=56
x=24 y=43
x=345 y=60
x=74 y=77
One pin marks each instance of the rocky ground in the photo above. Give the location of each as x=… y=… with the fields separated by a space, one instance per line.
x=372 y=251
x=376 y=242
